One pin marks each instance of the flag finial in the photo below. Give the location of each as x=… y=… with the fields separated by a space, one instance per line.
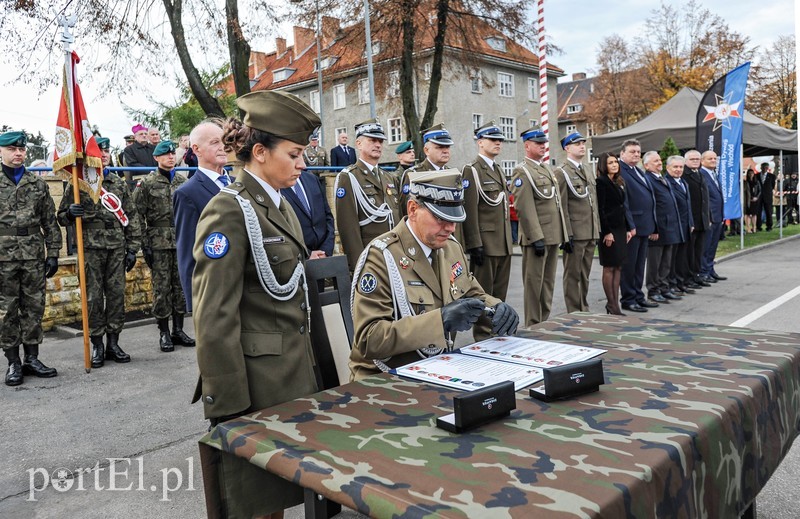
x=66 y=23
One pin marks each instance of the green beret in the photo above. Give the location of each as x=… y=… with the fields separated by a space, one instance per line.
x=104 y=143
x=403 y=147
x=280 y=114
x=164 y=147
x=16 y=139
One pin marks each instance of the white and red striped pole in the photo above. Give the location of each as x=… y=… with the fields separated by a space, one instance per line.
x=543 y=76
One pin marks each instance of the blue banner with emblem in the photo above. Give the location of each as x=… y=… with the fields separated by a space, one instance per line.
x=720 y=120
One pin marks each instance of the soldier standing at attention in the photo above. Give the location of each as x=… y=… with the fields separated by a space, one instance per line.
x=544 y=225
x=405 y=156
x=153 y=198
x=436 y=146
x=584 y=220
x=487 y=228
x=30 y=241
x=412 y=290
x=314 y=155
x=111 y=238
x=366 y=196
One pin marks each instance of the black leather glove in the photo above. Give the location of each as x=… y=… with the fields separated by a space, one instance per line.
x=505 y=319
x=460 y=315
x=538 y=247
x=147 y=252
x=50 y=267
x=476 y=255
x=130 y=260
x=568 y=246
x=74 y=211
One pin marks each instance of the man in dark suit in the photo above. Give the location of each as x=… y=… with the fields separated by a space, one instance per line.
x=767 y=181
x=342 y=155
x=698 y=191
x=641 y=215
x=310 y=204
x=715 y=205
x=679 y=275
x=191 y=198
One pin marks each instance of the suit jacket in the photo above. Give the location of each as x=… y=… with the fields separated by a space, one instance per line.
x=583 y=217
x=715 y=199
x=487 y=226
x=698 y=189
x=611 y=207
x=767 y=186
x=541 y=210
x=253 y=351
x=340 y=158
x=670 y=229
x=682 y=199
x=640 y=200
x=317 y=227
x=188 y=203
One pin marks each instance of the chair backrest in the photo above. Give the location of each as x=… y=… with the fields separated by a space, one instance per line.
x=331 y=322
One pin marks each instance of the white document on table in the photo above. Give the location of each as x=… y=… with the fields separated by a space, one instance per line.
x=468 y=373
x=530 y=352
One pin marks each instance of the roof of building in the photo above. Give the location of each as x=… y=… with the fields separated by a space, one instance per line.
x=571 y=93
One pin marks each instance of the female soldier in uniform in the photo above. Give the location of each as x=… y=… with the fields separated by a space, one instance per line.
x=250 y=306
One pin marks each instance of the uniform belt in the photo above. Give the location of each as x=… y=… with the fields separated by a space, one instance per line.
x=101 y=225
x=19 y=231
x=161 y=224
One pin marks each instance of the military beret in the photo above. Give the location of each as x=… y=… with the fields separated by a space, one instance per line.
x=370 y=128
x=533 y=134
x=280 y=114
x=164 y=147
x=572 y=138
x=16 y=139
x=437 y=134
x=441 y=191
x=103 y=143
x=403 y=147
x=490 y=131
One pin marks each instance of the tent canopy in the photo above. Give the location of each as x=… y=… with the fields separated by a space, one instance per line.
x=676 y=118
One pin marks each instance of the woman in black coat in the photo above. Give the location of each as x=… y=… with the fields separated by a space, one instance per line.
x=614 y=228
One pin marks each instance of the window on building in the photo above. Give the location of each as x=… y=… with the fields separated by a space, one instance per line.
x=282 y=74
x=508 y=125
x=363 y=91
x=590 y=130
x=314 y=100
x=394 y=84
x=477 y=121
x=533 y=89
x=574 y=109
x=326 y=63
x=592 y=158
x=506 y=84
x=339 y=130
x=339 y=98
x=534 y=123
x=591 y=88
x=476 y=80
x=395 y=130
x=376 y=49
x=508 y=167
x=427 y=70
x=496 y=43
x=571 y=128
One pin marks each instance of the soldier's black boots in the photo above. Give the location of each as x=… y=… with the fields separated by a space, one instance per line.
x=33 y=366
x=179 y=337
x=98 y=351
x=114 y=352
x=164 y=342
x=14 y=372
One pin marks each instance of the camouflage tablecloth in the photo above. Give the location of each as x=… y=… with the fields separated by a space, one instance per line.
x=692 y=422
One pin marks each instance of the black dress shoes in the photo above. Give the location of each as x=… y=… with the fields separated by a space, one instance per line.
x=658 y=298
x=692 y=286
x=718 y=277
x=701 y=281
x=687 y=289
x=647 y=304
x=635 y=307
x=670 y=295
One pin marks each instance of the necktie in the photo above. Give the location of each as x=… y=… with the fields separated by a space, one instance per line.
x=680 y=183
x=223 y=178
x=434 y=263
x=298 y=190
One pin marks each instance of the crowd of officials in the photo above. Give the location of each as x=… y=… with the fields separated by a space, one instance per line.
x=428 y=245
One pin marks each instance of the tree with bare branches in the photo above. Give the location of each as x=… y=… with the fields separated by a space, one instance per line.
x=774 y=95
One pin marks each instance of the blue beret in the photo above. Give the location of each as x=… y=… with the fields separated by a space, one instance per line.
x=164 y=147
x=403 y=147
x=104 y=143
x=16 y=139
x=533 y=134
x=571 y=139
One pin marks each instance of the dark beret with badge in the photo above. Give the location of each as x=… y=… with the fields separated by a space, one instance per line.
x=572 y=138
x=370 y=128
x=534 y=134
x=437 y=134
x=280 y=114
x=164 y=147
x=103 y=143
x=14 y=139
x=490 y=131
x=442 y=192
x=403 y=147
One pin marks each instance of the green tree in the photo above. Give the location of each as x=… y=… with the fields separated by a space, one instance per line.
x=669 y=149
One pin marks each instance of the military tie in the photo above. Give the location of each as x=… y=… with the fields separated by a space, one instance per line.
x=434 y=262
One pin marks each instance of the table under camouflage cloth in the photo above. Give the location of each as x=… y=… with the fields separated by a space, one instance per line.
x=692 y=422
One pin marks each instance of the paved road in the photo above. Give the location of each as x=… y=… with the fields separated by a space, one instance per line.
x=140 y=412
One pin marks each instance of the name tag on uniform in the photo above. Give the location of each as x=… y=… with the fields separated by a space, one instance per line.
x=489 y=182
x=414 y=283
x=274 y=239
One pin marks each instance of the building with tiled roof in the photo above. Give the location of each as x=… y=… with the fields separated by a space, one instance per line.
x=572 y=101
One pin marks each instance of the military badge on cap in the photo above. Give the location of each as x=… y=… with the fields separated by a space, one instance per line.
x=370 y=128
x=533 y=134
x=14 y=139
x=490 y=131
x=438 y=135
x=164 y=147
x=572 y=138
x=441 y=192
x=216 y=245
x=103 y=143
x=368 y=283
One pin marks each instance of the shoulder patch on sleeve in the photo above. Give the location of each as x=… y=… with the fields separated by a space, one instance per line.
x=368 y=283
x=405 y=189
x=465 y=183
x=216 y=245
x=340 y=192
x=518 y=182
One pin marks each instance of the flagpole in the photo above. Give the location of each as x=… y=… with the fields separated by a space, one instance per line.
x=66 y=40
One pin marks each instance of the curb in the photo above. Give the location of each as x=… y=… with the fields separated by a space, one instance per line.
x=738 y=253
x=66 y=332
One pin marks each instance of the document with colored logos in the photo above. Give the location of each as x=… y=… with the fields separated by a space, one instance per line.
x=469 y=373
x=531 y=352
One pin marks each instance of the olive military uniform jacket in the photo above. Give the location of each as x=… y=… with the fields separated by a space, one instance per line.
x=101 y=228
x=378 y=332
x=253 y=351
x=315 y=157
x=487 y=225
x=540 y=207
x=27 y=220
x=581 y=201
x=153 y=199
x=377 y=189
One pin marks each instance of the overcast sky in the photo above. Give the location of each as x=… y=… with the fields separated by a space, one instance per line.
x=575 y=26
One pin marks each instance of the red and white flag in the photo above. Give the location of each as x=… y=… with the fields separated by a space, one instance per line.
x=75 y=143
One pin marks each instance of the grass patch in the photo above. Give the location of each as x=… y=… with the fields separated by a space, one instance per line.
x=732 y=243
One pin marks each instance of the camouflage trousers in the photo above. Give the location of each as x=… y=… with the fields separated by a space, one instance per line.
x=168 y=298
x=105 y=290
x=21 y=302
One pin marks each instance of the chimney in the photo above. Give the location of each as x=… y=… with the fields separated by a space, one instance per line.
x=578 y=76
x=330 y=29
x=280 y=44
x=303 y=38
